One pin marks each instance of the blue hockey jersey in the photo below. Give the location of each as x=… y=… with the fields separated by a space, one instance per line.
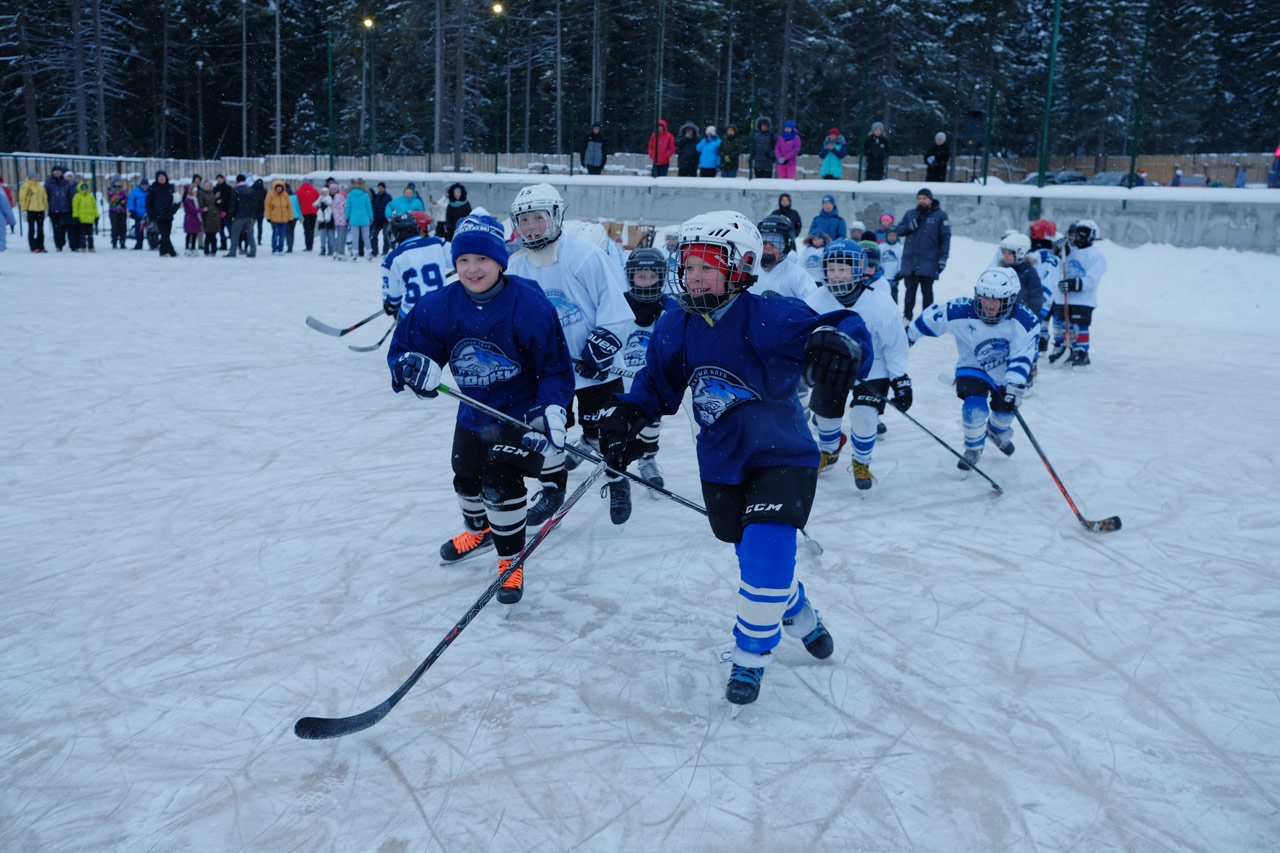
x=743 y=373
x=508 y=353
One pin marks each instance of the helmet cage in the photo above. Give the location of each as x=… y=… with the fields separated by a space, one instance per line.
x=845 y=252
x=1001 y=284
x=735 y=246
x=646 y=260
x=539 y=198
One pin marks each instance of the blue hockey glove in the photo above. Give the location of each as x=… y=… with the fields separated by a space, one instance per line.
x=547 y=428
x=1013 y=392
x=597 y=354
x=417 y=372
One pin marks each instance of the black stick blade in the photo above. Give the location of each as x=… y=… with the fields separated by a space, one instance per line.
x=323 y=728
x=1106 y=525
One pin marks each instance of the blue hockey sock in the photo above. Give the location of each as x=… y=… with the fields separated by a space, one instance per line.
x=767 y=586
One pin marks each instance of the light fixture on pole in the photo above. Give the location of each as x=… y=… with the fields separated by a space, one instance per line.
x=200 y=107
x=367 y=95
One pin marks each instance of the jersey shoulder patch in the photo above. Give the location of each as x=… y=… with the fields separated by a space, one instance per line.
x=1022 y=314
x=961 y=309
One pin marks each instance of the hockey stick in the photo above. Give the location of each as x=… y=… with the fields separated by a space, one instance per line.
x=320 y=728
x=596 y=458
x=378 y=345
x=1106 y=525
x=950 y=449
x=326 y=329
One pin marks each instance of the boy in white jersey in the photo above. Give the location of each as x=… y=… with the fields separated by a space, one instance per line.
x=418 y=264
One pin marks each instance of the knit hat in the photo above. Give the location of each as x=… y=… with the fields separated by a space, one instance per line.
x=886 y=219
x=789 y=124
x=926 y=192
x=829 y=198
x=479 y=235
x=711 y=130
x=857 y=223
x=877 y=125
x=411 y=186
x=835 y=131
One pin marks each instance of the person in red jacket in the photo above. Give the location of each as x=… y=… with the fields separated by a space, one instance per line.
x=662 y=147
x=307 y=196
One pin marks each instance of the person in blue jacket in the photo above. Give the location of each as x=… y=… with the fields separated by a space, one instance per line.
x=137 y=206
x=829 y=220
x=742 y=357
x=708 y=153
x=501 y=337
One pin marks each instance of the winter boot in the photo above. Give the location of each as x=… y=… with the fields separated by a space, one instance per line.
x=1005 y=445
x=513 y=587
x=744 y=684
x=650 y=472
x=548 y=502
x=862 y=476
x=971 y=457
x=619 y=492
x=466 y=544
x=827 y=459
x=1079 y=358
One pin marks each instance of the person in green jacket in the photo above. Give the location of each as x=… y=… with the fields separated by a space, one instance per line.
x=731 y=148
x=84 y=213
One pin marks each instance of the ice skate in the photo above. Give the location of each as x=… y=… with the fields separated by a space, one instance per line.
x=573 y=460
x=862 y=476
x=971 y=457
x=548 y=502
x=1004 y=445
x=512 y=589
x=466 y=544
x=619 y=492
x=827 y=459
x=744 y=684
x=1079 y=358
x=651 y=473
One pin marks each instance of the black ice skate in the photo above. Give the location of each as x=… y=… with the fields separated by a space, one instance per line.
x=548 y=502
x=1004 y=445
x=619 y=492
x=971 y=458
x=466 y=544
x=817 y=642
x=1079 y=358
x=744 y=684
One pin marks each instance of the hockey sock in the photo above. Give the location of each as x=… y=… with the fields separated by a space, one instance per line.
x=862 y=429
x=974 y=412
x=1080 y=336
x=553 y=473
x=828 y=433
x=473 y=514
x=649 y=438
x=800 y=618
x=767 y=585
x=1059 y=338
x=507 y=520
x=1002 y=424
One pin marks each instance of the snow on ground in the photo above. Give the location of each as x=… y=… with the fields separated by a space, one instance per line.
x=216 y=520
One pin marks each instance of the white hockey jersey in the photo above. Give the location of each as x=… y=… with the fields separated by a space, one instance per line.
x=880 y=314
x=1089 y=266
x=997 y=353
x=1049 y=266
x=416 y=266
x=584 y=285
x=891 y=259
x=811 y=260
x=785 y=279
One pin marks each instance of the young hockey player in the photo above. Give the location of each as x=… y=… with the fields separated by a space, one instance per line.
x=811 y=255
x=1077 y=293
x=996 y=344
x=1048 y=265
x=587 y=290
x=779 y=276
x=891 y=259
x=501 y=338
x=417 y=265
x=1015 y=253
x=847 y=285
x=741 y=356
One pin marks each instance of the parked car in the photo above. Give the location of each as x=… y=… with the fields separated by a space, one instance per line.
x=1195 y=181
x=1066 y=176
x=991 y=180
x=1111 y=179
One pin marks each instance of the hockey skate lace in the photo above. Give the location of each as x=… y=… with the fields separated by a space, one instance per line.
x=468 y=540
x=747 y=674
x=861 y=471
x=516 y=581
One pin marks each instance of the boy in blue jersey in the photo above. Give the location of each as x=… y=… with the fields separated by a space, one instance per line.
x=502 y=340
x=742 y=357
x=996 y=344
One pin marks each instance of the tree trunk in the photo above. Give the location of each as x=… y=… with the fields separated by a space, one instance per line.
x=439 y=72
x=28 y=83
x=164 y=80
x=785 y=77
x=459 y=83
x=559 y=86
x=100 y=95
x=77 y=79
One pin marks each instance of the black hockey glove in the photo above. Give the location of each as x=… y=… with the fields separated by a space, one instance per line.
x=597 y=355
x=1071 y=285
x=1044 y=344
x=390 y=308
x=619 y=424
x=831 y=359
x=901 y=392
x=417 y=372
x=1013 y=393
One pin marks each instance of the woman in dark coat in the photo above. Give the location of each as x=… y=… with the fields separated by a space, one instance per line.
x=877 y=152
x=458 y=208
x=160 y=209
x=936 y=159
x=785 y=209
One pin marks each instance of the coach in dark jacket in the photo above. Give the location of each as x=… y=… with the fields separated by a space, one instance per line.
x=60 y=192
x=936 y=158
x=928 y=233
x=762 y=143
x=245 y=208
x=160 y=209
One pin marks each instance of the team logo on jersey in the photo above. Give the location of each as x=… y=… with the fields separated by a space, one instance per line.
x=637 y=348
x=715 y=392
x=1075 y=269
x=568 y=312
x=479 y=364
x=992 y=353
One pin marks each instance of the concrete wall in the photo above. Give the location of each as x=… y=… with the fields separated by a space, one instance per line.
x=1241 y=219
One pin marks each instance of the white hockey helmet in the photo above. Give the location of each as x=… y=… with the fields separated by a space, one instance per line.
x=1082 y=233
x=1017 y=243
x=594 y=234
x=996 y=283
x=542 y=198
x=736 y=247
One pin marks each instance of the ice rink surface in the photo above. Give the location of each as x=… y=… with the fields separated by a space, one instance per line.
x=215 y=521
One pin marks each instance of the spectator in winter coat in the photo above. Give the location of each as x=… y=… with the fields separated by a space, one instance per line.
x=833 y=151
x=324 y=220
x=731 y=148
x=380 y=201
x=928 y=233
x=307 y=195
x=34 y=199
x=359 y=217
x=407 y=202
x=297 y=215
x=117 y=211
x=662 y=147
x=225 y=195
x=192 y=223
x=877 y=152
x=592 y=155
x=340 y=222
x=210 y=217
x=7 y=221
x=762 y=144
x=459 y=208
x=244 y=211
x=1177 y=176
x=1241 y=177
x=828 y=221
x=278 y=212
x=935 y=159
x=708 y=153
x=160 y=209
x=687 y=150
x=785 y=209
x=84 y=210
x=8 y=194
x=787 y=149
x=1273 y=174
x=260 y=193
x=137 y=204
x=59 y=192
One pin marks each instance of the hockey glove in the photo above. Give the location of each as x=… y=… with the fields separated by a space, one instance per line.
x=1013 y=392
x=390 y=307
x=901 y=392
x=1043 y=346
x=547 y=426
x=831 y=359
x=597 y=355
x=419 y=373
x=619 y=424
x=1070 y=285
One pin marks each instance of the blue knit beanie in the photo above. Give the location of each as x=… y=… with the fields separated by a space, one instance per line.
x=479 y=235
